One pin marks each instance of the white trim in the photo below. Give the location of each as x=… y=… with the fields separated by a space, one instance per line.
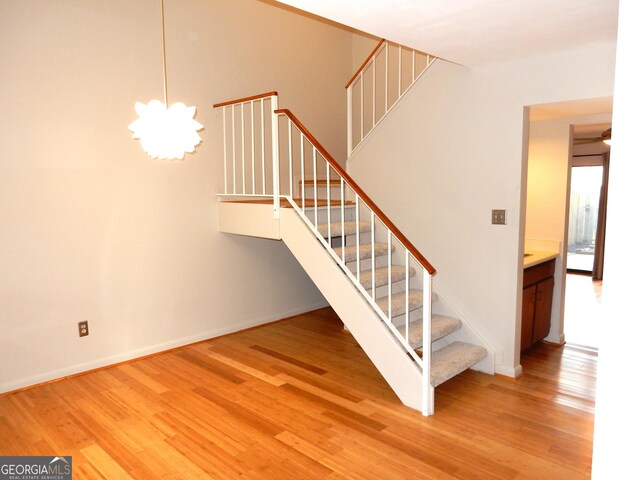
x=152 y=349
x=509 y=372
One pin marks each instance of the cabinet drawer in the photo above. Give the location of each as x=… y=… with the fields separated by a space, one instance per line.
x=538 y=272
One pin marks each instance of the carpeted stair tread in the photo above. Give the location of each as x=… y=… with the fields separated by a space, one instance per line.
x=349 y=228
x=453 y=359
x=398 y=302
x=398 y=273
x=350 y=252
x=441 y=326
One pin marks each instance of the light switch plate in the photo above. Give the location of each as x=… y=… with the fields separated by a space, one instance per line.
x=498 y=217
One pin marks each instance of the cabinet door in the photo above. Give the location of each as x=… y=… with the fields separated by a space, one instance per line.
x=528 y=310
x=542 y=317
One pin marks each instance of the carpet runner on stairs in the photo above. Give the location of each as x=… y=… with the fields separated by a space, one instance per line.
x=441 y=326
x=447 y=361
x=349 y=228
x=453 y=359
x=351 y=252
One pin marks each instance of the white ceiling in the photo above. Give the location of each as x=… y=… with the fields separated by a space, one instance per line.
x=476 y=32
x=572 y=108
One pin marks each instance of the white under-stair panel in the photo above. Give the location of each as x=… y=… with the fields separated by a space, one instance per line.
x=244 y=218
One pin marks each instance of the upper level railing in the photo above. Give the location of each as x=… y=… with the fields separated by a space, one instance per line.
x=272 y=154
x=250 y=144
x=382 y=80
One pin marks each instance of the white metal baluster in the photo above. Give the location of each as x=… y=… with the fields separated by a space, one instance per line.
x=315 y=187
x=253 y=151
x=224 y=146
x=361 y=105
x=302 y=169
x=386 y=77
x=373 y=88
x=389 y=271
x=233 y=145
x=413 y=66
x=328 y=173
x=342 y=216
x=350 y=119
x=399 y=71
x=290 y=153
x=275 y=153
x=427 y=389
x=264 y=180
x=373 y=262
x=358 y=238
x=290 y=160
x=244 y=181
x=406 y=294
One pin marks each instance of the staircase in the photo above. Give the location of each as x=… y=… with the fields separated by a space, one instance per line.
x=280 y=183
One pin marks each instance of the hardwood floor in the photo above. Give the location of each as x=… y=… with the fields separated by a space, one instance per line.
x=582 y=310
x=298 y=399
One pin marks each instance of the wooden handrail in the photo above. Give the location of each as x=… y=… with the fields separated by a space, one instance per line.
x=351 y=182
x=364 y=64
x=246 y=99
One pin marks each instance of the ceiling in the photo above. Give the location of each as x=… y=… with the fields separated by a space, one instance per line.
x=572 y=108
x=591 y=130
x=476 y=32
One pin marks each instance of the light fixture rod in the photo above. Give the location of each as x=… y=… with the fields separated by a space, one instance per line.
x=164 y=54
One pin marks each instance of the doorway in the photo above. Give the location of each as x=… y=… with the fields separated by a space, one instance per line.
x=584 y=209
x=585 y=239
x=586 y=220
x=561 y=145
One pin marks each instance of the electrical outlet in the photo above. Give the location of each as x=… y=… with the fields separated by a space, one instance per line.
x=83 y=328
x=498 y=217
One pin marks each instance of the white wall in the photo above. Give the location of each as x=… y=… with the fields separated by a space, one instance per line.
x=548 y=183
x=92 y=228
x=363 y=45
x=617 y=418
x=451 y=153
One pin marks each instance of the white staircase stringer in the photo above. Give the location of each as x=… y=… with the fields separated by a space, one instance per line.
x=393 y=362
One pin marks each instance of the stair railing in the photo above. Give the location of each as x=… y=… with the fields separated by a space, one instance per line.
x=382 y=80
x=250 y=147
x=250 y=141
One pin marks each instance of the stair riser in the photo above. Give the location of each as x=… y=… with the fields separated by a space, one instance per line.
x=336 y=213
x=382 y=286
x=334 y=191
x=351 y=263
x=349 y=229
x=399 y=308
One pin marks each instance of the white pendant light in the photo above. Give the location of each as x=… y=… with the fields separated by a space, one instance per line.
x=166 y=132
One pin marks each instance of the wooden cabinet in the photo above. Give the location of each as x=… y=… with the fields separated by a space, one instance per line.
x=537 y=299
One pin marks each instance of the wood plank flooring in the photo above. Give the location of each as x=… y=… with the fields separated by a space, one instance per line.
x=298 y=399
x=582 y=310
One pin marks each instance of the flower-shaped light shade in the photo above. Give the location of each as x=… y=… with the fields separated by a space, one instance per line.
x=166 y=132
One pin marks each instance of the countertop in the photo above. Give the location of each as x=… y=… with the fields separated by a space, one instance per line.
x=536 y=257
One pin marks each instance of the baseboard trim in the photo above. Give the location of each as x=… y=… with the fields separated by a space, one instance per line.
x=509 y=373
x=9 y=388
